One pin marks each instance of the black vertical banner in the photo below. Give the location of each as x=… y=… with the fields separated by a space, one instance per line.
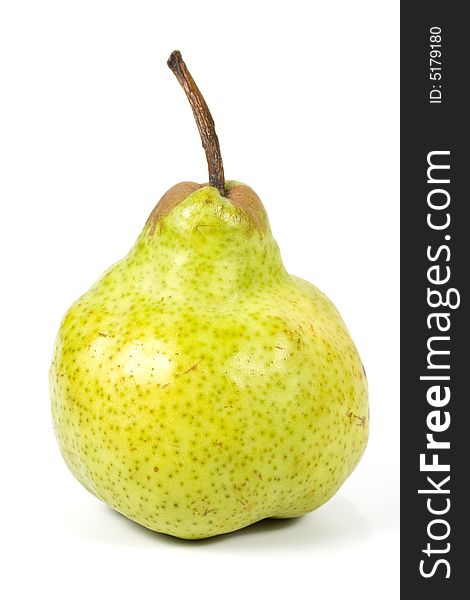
x=435 y=269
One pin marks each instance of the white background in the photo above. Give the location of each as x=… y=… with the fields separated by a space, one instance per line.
x=94 y=128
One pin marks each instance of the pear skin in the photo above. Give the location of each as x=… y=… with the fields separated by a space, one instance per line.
x=198 y=387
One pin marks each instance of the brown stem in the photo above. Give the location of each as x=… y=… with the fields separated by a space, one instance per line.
x=204 y=121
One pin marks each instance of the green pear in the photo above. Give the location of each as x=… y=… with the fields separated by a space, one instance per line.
x=197 y=387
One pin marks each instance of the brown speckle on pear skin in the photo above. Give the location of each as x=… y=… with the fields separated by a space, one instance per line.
x=247 y=199
x=240 y=195
x=168 y=201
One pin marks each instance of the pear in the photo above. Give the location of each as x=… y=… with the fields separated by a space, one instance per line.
x=197 y=387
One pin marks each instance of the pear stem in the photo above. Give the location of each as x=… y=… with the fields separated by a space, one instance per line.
x=204 y=121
